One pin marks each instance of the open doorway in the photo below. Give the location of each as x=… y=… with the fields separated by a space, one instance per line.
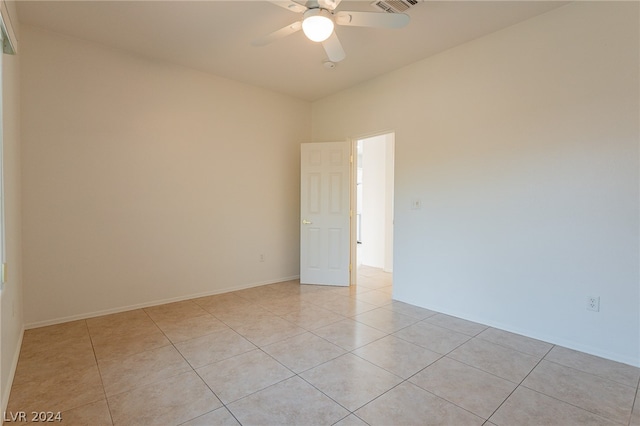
x=373 y=239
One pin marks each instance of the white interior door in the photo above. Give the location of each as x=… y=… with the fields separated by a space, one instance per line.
x=324 y=209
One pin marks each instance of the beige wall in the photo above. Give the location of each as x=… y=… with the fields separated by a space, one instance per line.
x=146 y=182
x=523 y=147
x=11 y=309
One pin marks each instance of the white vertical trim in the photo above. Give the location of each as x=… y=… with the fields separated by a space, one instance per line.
x=9 y=41
x=3 y=396
x=389 y=201
x=353 y=208
x=3 y=251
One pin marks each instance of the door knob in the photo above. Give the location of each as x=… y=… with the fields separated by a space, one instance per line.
x=306 y=222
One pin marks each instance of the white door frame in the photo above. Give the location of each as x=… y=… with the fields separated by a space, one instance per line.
x=353 y=232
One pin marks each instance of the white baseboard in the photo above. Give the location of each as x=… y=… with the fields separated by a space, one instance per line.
x=152 y=303
x=544 y=337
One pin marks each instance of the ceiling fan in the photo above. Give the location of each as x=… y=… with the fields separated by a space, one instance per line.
x=319 y=18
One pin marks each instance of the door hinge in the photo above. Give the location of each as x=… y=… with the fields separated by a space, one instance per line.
x=351 y=159
x=350 y=267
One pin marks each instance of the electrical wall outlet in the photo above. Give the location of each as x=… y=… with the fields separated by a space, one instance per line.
x=593 y=303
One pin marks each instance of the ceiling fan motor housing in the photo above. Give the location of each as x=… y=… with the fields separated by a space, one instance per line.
x=328 y=4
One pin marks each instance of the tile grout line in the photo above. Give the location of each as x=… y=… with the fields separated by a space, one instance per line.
x=203 y=381
x=104 y=391
x=192 y=369
x=570 y=403
x=521 y=385
x=636 y=400
x=468 y=365
x=588 y=373
x=518 y=385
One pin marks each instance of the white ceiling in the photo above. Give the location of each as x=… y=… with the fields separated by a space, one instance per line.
x=215 y=36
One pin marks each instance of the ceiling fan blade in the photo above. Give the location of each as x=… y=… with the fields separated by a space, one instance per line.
x=334 y=49
x=282 y=32
x=372 y=19
x=290 y=5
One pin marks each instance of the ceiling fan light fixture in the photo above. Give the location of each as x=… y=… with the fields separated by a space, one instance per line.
x=317 y=24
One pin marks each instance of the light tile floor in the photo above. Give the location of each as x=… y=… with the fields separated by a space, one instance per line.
x=311 y=355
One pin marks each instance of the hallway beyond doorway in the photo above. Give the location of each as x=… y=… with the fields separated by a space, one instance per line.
x=372 y=194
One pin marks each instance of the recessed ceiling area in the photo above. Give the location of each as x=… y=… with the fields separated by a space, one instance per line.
x=216 y=36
